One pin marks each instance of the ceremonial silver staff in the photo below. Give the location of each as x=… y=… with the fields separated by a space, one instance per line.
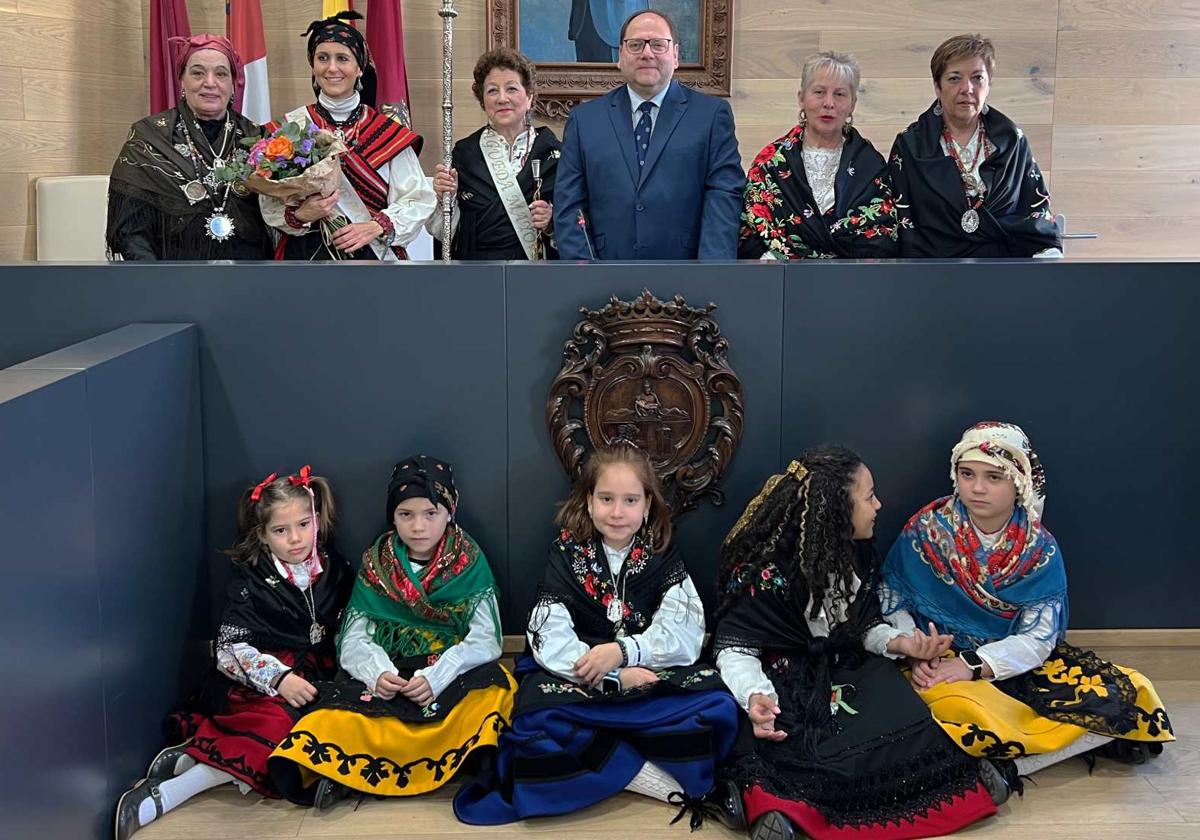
x=448 y=14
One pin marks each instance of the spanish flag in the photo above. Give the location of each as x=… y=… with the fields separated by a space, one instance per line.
x=329 y=8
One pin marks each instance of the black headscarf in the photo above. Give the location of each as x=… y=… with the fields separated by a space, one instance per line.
x=421 y=477
x=338 y=30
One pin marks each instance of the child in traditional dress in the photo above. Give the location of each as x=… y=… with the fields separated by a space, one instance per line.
x=284 y=604
x=842 y=747
x=423 y=689
x=981 y=565
x=611 y=696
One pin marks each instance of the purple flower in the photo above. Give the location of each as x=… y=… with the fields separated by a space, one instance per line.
x=311 y=130
x=300 y=161
x=306 y=146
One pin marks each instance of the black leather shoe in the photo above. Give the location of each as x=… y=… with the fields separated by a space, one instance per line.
x=162 y=767
x=329 y=793
x=724 y=802
x=126 y=821
x=1128 y=752
x=1001 y=778
x=773 y=825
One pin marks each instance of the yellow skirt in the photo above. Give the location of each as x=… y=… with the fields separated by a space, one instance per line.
x=390 y=757
x=987 y=722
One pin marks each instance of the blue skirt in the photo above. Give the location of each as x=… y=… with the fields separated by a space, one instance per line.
x=566 y=757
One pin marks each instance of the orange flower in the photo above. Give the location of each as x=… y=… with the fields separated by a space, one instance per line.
x=280 y=147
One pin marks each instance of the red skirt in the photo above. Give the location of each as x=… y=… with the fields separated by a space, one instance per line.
x=240 y=734
x=941 y=819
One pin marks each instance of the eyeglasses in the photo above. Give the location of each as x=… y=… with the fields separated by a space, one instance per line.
x=658 y=46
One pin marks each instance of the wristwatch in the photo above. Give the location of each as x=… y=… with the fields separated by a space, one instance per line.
x=973 y=661
x=611 y=683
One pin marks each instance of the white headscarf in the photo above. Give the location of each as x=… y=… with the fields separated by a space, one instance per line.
x=1004 y=445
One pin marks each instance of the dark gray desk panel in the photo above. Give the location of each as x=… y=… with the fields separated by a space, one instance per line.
x=348 y=368
x=143 y=408
x=1096 y=362
x=543 y=308
x=51 y=708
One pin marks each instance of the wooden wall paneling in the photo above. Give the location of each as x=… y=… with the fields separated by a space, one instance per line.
x=1135 y=237
x=17 y=242
x=1133 y=194
x=114 y=12
x=888 y=53
x=12 y=105
x=1104 y=148
x=84 y=46
x=59 y=148
x=772 y=53
x=897 y=14
x=1130 y=54
x=61 y=96
x=14 y=209
x=1088 y=15
x=1170 y=101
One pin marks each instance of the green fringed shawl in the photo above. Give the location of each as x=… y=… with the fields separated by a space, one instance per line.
x=410 y=619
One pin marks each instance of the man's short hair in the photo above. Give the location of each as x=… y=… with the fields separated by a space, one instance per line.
x=656 y=13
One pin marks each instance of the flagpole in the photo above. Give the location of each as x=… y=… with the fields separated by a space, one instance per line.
x=448 y=14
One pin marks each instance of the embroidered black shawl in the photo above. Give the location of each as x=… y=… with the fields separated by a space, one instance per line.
x=578 y=577
x=484 y=229
x=768 y=618
x=1015 y=219
x=781 y=214
x=265 y=610
x=149 y=218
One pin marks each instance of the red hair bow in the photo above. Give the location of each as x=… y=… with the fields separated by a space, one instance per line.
x=257 y=492
x=304 y=479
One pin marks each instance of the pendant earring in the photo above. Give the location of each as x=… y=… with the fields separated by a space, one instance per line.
x=358 y=84
x=986 y=107
x=528 y=121
x=937 y=109
x=849 y=123
x=802 y=118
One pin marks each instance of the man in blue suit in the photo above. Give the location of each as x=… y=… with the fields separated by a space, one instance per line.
x=653 y=165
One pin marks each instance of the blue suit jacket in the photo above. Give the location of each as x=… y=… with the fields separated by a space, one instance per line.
x=685 y=203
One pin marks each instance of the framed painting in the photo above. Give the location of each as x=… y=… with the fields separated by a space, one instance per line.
x=574 y=44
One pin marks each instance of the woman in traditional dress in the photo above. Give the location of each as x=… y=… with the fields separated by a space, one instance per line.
x=384 y=194
x=820 y=191
x=963 y=174
x=164 y=200
x=841 y=745
x=420 y=643
x=284 y=602
x=980 y=564
x=612 y=697
x=502 y=176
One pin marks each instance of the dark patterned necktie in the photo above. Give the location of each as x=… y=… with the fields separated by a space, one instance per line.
x=641 y=133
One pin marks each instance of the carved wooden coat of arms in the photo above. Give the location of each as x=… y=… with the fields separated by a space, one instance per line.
x=654 y=373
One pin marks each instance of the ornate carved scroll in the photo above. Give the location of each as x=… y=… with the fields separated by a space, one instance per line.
x=654 y=373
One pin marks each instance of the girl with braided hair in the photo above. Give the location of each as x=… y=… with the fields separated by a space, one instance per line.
x=836 y=743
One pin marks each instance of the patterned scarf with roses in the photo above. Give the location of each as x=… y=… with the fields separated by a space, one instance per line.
x=781 y=215
x=419 y=613
x=578 y=577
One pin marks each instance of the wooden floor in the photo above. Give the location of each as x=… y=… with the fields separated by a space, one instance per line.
x=1157 y=800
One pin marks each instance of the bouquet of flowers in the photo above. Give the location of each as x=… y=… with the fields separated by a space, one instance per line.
x=291 y=163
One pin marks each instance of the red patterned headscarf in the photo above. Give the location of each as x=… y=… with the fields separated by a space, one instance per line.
x=184 y=48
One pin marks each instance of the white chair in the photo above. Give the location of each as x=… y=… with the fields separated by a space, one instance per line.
x=72 y=213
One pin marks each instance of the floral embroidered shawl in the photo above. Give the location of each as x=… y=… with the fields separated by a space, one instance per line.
x=781 y=215
x=940 y=571
x=426 y=613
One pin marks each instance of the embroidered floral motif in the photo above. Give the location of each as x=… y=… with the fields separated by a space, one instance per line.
x=561 y=688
